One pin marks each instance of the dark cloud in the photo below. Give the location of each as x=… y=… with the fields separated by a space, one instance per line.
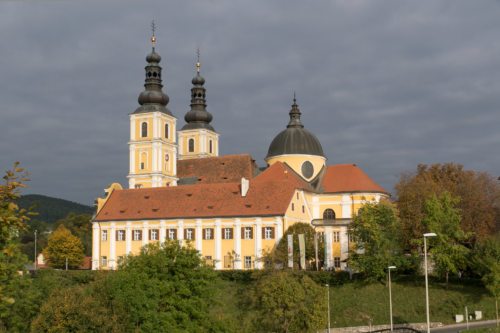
x=384 y=84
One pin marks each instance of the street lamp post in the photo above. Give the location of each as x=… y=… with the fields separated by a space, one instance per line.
x=36 y=261
x=390 y=294
x=430 y=234
x=328 y=304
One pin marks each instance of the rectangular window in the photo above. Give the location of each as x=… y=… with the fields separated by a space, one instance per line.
x=248 y=262
x=142 y=165
x=104 y=261
x=336 y=236
x=208 y=233
x=247 y=233
x=351 y=238
x=104 y=235
x=268 y=232
x=172 y=234
x=303 y=209
x=153 y=234
x=189 y=234
x=120 y=235
x=137 y=236
x=336 y=262
x=227 y=233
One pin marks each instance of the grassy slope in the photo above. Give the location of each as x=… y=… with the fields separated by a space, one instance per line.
x=353 y=304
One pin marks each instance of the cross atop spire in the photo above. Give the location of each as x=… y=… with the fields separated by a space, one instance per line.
x=198 y=64
x=153 y=37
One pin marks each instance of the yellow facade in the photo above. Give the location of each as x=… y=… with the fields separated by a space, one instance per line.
x=204 y=143
x=153 y=150
x=295 y=161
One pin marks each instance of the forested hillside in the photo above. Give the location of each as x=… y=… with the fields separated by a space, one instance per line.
x=51 y=209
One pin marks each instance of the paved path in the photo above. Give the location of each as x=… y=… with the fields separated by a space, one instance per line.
x=463 y=326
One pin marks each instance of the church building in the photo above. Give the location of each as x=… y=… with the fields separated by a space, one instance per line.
x=226 y=207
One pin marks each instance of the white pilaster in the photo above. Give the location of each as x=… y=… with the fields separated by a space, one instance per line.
x=96 y=239
x=128 y=238
x=258 y=242
x=163 y=233
x=237 y=244
x=145 y=233
x=199 y=236
x=180 y=231
x=278 y=225
x=346 y=206
x=131 y=149
x=112 y=247
x=315 y=210
x=328 y=248
x=344 y=246
x=132 y=128
x=218 y=245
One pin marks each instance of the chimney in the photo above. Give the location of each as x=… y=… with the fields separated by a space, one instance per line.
x=245 y=185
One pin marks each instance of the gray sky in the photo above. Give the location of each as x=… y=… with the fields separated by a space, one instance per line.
x=384 y=84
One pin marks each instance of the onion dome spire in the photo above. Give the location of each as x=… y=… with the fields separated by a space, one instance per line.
x=153 y=98
x=295 y=139
x=198 y=116
x=295 y=114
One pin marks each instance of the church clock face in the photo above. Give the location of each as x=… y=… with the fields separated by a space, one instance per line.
x=307 y=169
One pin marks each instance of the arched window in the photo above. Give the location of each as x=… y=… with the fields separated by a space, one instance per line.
x=191 y=145
x=166 y=131
x=328 y=214
x=144 y=129
x=210 y=146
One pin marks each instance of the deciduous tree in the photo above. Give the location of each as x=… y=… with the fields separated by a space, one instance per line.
x=286 y=302
x=479 y=195
x=376 y=230
x=62 y=247
x=443 y=218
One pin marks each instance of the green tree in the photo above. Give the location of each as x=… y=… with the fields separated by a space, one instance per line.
x=14 y=298
x=479 y=195
x=286 y=302
x=443 y=217
x=62 y=245
x=80 y=226
x=166 y=288
x=280 y=254
x=376 y=230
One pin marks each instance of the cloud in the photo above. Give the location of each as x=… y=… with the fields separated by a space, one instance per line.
x=384 y=84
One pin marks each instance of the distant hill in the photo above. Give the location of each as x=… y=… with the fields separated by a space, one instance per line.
x=51 y=209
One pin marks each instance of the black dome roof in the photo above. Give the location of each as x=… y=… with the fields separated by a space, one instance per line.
x=295 y=139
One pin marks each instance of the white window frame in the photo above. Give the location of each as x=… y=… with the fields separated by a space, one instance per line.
x=227 y=233
x=247 y=233
x=104 y=261
x=208 y=234
x=336 y=262
x=171 y=234
x=120 y=235
x=248 y=262
x=189 y=234
x=336 y=236
x=268 y=232
x=136 y=235
x=104 y=235
x=154 y=234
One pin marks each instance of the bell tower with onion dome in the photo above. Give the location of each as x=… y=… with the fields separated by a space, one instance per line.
x=198 y=139
x=152 y=145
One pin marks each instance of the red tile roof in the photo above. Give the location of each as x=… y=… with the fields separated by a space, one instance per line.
x=222 y=169
x=348 y=178
x=198 y=201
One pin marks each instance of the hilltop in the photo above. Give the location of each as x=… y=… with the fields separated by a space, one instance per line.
x=51 y=209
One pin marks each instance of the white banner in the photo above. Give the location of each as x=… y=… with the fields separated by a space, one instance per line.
x=302 y=249
x=328 y=250
x=290 y=251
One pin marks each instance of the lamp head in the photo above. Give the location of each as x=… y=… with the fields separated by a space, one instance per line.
x=430 y=234
x=391 y=267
